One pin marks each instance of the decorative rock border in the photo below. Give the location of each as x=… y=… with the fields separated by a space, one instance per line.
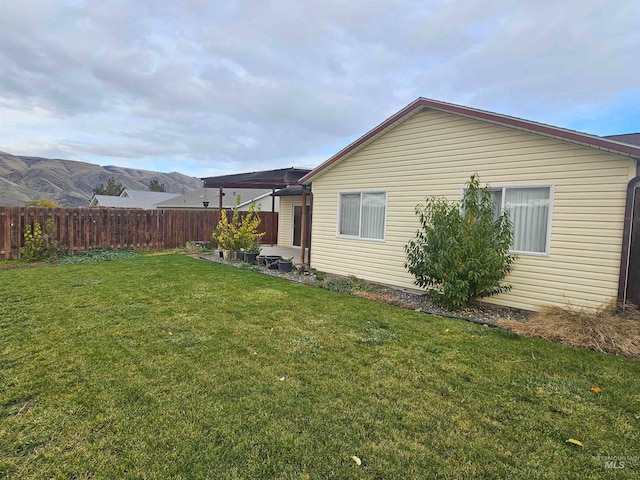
x=480 y=313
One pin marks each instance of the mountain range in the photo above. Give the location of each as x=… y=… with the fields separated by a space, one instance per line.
x=70 y=183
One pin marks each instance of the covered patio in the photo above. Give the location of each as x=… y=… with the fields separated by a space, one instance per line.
x=279 y=181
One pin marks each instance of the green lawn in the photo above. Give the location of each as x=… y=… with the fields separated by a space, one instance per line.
x=172 y=367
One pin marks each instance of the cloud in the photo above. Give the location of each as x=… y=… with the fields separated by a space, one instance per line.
x=237 y=85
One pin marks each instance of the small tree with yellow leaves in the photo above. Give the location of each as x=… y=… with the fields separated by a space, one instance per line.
x=239 y=233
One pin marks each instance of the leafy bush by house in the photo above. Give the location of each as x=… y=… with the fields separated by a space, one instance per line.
x=461 y=251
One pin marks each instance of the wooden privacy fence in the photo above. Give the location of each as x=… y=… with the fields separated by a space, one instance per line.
x=82 y=228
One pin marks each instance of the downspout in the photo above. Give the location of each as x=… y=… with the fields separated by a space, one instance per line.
x=626 y=236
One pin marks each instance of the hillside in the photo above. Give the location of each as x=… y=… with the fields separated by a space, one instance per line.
x=68 y=182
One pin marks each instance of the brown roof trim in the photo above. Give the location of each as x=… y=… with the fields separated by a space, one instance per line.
x=505 y=120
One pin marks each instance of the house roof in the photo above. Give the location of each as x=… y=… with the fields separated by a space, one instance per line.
x=194 y=198
x=147 y=199
x=255 y=199
x=632 y=138
x=143 y=199
x=614 y=145
x=111 y=201
x=279 y=178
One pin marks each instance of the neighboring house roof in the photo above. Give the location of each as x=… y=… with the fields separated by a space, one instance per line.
x=255 y=199
x=585 y=139
x=631 y=138
x=148 y=199
x=194 y=198
x=143 y=199
x=111 y=201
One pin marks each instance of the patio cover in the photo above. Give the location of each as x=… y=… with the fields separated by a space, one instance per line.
x=276 y=180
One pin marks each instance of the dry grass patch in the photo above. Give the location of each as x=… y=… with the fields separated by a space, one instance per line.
x=609 y=329
x=384 y=297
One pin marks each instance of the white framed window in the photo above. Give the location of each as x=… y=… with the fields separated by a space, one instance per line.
x=362 y=215
x=529 y=210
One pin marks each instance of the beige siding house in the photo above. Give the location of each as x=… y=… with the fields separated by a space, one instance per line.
x=290 y=221
x=365 y=196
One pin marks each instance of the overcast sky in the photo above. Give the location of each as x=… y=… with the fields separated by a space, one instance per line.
x=209 y=87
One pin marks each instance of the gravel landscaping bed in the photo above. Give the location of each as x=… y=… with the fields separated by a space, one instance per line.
x=481 y=313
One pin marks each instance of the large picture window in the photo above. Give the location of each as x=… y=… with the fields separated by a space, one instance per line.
x=362 y=215
x=530 y=212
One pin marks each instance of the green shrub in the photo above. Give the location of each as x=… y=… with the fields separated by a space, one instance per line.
x=39 y=244
x=346 y=285
x=100 y=255
x=462 y=250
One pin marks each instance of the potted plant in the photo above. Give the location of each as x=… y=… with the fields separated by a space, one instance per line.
x=236 y=236
x=252 y=252
x=285 y=264
x=271 y=261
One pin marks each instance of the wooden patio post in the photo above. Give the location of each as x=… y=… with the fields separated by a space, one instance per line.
x=303 y=226
x=220 y=194
x=273 y=216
